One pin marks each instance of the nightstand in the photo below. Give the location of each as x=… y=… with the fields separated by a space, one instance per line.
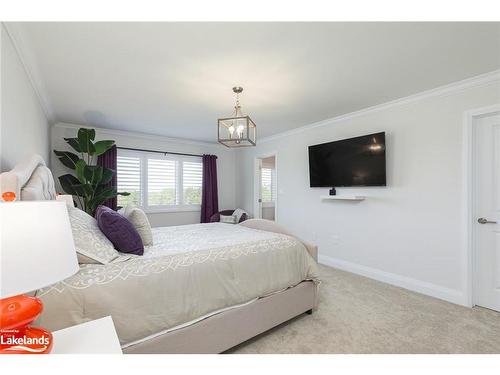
x=94 y=337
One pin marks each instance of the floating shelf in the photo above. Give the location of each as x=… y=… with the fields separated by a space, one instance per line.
x=344 y=197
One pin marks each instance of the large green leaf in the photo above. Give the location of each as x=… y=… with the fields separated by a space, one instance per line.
x=93 y=174
x=85 y=138
x=91 y=133
x=102 y=146
x=99 y=188
x=73 y=142
x=106 y=193
x=69 y=183
x=107 y=175
x=80 y=171
x=86 y=191
x=67 y=158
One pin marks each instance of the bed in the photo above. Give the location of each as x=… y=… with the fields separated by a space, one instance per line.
x=201 y=288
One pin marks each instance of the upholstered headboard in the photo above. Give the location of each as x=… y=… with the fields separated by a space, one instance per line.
x=31 y=180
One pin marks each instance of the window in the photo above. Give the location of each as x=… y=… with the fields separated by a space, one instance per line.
x=192 y=174
x=268 y=183
x=158 y=182
x=162 y=177
x=128 y=176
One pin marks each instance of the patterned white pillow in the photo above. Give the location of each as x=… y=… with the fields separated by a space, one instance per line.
x=140 y=222
x=91 y=244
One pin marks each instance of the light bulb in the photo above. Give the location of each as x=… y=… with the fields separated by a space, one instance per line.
x=240 y=130
x=231 y=131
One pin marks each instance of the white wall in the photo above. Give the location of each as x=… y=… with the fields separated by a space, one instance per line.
x=408 y=233
x=24 y=127
x=225 y=164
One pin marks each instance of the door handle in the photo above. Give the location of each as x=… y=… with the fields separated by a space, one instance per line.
x=482 y=220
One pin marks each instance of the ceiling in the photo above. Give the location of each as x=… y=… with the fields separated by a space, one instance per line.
x=175 y=79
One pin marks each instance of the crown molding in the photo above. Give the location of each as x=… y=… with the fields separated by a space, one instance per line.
x=149 y=137
x=19 y=40
x=480 y=80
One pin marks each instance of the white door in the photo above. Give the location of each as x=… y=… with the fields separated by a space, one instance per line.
x=258 y=185
x=486 y=175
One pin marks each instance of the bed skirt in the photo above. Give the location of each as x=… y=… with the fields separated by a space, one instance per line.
x=227 y=329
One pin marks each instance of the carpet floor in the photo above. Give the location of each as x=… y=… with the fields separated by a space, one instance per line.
x=359 y=315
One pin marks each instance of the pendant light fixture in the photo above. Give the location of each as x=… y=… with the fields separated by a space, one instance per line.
x=238 y=130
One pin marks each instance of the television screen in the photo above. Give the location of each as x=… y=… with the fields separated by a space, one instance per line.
x=356 y=161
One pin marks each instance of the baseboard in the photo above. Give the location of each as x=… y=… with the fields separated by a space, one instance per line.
x=429 y=289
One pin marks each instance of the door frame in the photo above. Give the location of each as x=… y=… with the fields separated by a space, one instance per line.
x=469 y=194
x=256 y=182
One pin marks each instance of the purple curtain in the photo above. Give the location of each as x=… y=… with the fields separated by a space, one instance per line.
x=108 y=160
x=209 y=196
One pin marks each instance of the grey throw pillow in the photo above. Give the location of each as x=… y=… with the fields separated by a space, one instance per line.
x=140 y=221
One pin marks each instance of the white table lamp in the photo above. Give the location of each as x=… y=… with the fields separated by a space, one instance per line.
x=36 y=250
x=66 y=198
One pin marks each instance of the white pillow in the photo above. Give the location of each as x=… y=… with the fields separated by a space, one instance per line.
x=228 y=219
x=238 y=213
x=140 y=221
x=91 y=244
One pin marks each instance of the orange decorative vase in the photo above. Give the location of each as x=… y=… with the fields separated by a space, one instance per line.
x=9 y=196
x=16 y=335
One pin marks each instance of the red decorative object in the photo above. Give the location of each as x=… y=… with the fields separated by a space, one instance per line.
x=16 y=335
x=9 y=196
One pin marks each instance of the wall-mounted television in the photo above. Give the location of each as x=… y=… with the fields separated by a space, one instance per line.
x=358 y=161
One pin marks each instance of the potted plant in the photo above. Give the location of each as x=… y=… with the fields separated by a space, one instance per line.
x=89 y=183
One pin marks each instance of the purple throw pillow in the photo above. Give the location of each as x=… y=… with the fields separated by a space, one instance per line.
x=119 y=231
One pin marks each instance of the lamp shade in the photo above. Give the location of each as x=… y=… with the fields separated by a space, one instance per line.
x=66 y=198
x=36 y=246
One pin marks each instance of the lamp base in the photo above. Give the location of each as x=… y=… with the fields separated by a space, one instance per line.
x=16 y=335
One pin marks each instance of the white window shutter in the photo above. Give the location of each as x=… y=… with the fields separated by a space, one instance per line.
x=192 y=174
x=266 y=185
x=162 y=177
x=159 y=182
x=128 y=179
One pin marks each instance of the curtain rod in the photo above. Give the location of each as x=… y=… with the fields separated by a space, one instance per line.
x=158 y=152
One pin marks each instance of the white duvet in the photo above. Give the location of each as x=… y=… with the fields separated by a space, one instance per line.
x=191 y=271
